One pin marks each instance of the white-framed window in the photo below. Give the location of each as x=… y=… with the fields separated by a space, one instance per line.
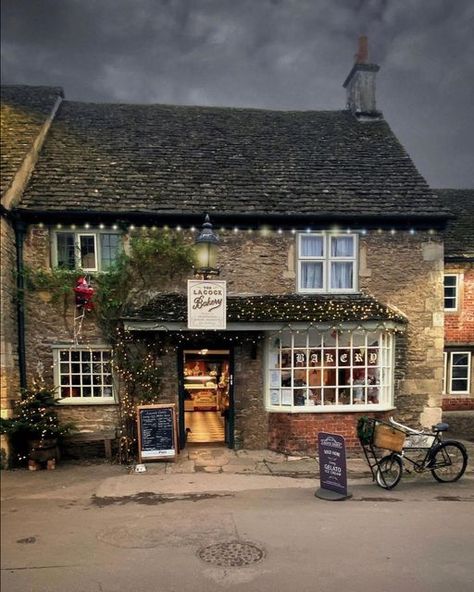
x=327 y=262
x=83 y=374
x=88 y=251
x=315 y=371
x=458 y=373
x=451 y=291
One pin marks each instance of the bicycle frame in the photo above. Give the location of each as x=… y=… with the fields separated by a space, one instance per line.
x=419 y=440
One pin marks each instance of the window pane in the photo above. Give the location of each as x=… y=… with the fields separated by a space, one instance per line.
x=109 y=249
x=459 y=385
x=66 y=250
x=460 y=359
x=450 y=280
x=312 y=246
x=341 y=276
x=87 y=248
x=311 y=275
x=342 y=246
x=460 y=372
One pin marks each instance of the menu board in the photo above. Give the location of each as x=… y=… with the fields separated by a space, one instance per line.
x=332 y=463
x=157 y=432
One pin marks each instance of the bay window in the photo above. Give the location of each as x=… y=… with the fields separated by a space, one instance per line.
x=320 y=371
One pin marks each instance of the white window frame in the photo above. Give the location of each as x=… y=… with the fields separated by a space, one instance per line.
x=445 y=371
x=326 y=259
x=82 y=400
x=385 y=367
x=468 y=367
x=456 y=292
x=77 y=247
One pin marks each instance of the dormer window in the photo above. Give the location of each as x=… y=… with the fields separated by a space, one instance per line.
x=88 y=251
x=327 y=262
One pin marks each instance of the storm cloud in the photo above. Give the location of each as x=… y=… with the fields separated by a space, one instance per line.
x=275 y=54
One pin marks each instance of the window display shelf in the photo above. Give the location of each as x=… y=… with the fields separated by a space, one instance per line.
x=199 y=387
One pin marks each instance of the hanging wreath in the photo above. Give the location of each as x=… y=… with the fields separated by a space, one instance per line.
x=84 y=293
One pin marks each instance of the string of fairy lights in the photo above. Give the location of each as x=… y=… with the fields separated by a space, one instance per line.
x=264 y=230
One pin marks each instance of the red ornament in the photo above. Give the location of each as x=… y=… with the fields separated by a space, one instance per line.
x=84 y=293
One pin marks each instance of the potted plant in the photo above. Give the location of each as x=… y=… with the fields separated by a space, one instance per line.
x=35 y=429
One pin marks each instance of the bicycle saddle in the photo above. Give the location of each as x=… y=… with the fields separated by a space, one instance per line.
x=440 y=427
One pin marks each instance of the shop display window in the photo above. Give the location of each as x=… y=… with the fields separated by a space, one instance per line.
x=314 y=371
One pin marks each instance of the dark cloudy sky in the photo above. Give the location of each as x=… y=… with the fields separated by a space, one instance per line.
x=283 y=54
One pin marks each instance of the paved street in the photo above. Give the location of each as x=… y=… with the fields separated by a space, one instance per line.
x=97 y=528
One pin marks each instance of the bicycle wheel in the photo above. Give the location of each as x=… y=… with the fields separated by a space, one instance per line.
x=389 y=471
x=449 y=462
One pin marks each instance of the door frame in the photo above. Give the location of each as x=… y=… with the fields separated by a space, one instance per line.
x=231 y=416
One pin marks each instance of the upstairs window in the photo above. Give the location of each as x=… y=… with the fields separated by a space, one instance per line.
x=327 y=262
x=451 y=292
x=89 y=251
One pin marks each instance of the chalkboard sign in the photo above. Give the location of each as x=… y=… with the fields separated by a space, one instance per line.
x=332 y=467
x=157 y=438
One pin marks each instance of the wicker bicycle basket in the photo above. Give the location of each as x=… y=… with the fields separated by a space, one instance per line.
x=388 y=438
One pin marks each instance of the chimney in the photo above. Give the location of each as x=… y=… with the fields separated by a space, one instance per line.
x=360 y=84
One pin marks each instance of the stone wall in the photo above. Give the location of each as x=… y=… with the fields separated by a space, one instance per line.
x=403 y=270
x=406 y=272
x=251 y=419
x=9 y=374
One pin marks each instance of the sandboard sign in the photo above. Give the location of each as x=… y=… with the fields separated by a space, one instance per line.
x=332 y=467
x=157 y=432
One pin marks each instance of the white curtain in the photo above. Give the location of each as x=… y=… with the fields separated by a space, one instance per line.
x=312 y=246
x=311 y=275
x=342 y=246
x=341 y=276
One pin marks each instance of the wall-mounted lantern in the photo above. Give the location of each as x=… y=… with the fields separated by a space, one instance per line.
x=206 y=250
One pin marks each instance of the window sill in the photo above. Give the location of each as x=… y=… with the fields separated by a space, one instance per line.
x=68 y=402
x=332 y=409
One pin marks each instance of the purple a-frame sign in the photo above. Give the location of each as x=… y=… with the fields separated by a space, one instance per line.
x=332 y=467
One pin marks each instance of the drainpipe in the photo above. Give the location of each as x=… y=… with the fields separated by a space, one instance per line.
x=20 y=232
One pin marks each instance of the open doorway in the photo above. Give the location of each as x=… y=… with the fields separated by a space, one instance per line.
x=206 y=401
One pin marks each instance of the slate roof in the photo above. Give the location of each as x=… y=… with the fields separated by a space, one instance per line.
x=459 y=233
x=160 y=160
x=24 y=110
x=274 y=308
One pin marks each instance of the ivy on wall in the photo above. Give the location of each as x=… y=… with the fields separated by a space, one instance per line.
x=151 y=263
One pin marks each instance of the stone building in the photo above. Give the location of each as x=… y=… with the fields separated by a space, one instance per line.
x=331 y=246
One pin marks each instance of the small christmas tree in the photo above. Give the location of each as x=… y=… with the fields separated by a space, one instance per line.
x=35 y=421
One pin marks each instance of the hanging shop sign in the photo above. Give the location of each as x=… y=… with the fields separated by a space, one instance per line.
x=207 y=307
x=157 y=432
x=332 y=467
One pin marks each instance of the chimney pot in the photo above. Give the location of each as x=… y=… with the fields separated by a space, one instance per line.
x=362 y=56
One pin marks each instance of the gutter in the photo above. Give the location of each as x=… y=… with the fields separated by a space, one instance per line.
x=252 y=220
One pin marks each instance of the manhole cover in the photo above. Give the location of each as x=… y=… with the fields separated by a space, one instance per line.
x=233 y=554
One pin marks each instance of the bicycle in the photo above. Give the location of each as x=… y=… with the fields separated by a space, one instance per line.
x=423 y=450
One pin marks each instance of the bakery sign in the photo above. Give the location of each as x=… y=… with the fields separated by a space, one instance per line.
x=206 y=304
